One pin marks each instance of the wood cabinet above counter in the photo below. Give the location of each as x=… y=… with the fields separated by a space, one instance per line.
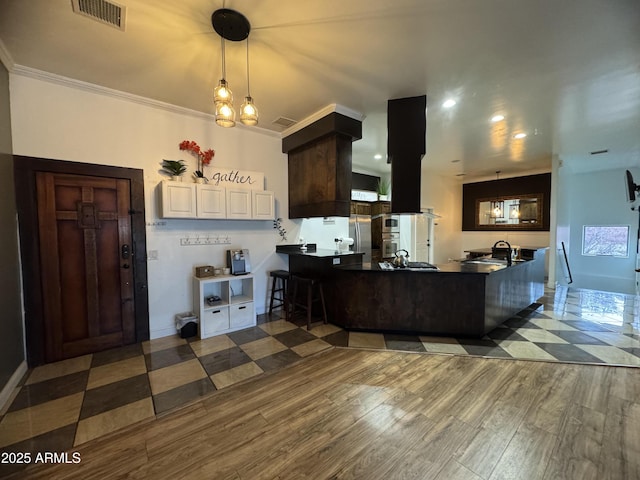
x=319 y=167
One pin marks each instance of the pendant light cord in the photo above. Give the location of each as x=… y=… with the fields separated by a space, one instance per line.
x=248 y=88
x=224 y=70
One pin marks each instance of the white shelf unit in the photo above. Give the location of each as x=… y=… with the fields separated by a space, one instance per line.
x=233 y=311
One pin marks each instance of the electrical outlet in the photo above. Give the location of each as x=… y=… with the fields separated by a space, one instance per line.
x=152 y=255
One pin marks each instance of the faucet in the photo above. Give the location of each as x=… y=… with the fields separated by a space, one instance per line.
x=502 y=242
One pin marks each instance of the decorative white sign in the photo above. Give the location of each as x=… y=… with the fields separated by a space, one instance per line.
x=364 y=195
x=232 y=177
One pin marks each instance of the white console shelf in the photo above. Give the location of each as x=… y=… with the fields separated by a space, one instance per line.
x=233 y=311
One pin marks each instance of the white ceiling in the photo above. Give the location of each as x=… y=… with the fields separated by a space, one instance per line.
x=566 y=72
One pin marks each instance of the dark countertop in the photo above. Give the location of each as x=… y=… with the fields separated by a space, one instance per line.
x=526 y=251
x=451 y=267
x=313 y=251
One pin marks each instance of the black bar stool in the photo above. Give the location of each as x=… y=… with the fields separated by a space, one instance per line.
x=279 y=286
x=310 y=284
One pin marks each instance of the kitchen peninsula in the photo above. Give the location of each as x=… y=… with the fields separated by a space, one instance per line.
x=468 y=298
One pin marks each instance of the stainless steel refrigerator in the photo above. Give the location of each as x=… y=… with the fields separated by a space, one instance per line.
x=360 y=231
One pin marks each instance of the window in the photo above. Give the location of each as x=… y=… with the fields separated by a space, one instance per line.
x=605 y=240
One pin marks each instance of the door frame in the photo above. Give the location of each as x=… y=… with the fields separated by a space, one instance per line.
x=25 y=169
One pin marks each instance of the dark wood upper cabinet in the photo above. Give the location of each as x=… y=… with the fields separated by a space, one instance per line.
x=320 y=167
x=524 y=204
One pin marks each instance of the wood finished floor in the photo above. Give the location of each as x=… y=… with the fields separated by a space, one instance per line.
x=356 y=414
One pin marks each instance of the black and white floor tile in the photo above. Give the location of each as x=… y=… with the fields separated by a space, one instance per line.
x=64 y=404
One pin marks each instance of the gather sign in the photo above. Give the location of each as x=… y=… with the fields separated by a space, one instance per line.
x=232 y=177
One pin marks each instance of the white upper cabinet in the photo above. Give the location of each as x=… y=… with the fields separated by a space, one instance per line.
x=178 y=200
x=211 y=201
x=262 y=205
x=239 y=203
x=190 y=200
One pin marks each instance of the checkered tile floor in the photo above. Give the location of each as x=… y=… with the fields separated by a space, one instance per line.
x=65 y=404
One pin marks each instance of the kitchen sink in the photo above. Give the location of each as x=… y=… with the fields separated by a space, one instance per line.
x=492 y=261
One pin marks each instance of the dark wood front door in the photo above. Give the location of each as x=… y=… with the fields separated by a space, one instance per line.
x=86 y=263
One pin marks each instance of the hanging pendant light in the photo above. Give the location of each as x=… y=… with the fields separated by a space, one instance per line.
x=225 y=115
x=223 y=98
x=497 y=206
x=496 y=209
x=514 y=211
x=234 y=26
x=248 y=110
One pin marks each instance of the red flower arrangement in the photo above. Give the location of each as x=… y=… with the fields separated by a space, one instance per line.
x=204 y=157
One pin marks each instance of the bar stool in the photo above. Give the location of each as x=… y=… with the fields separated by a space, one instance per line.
x=279 y=286
x=310 y=283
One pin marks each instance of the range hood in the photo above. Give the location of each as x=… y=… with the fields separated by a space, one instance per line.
x=406 y=142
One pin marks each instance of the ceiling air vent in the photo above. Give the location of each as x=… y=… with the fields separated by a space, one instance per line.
x=105 y=12
x=284 y=122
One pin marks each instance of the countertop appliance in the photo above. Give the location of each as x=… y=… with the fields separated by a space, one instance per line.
x=360 y=232
x=239 y=261
x=390 y=244
x=390 y=223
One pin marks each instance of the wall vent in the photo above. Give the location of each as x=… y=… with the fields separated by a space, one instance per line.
x=284 y=122
x=108 y=13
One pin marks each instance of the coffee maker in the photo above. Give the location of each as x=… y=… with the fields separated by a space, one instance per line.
x=239 y=261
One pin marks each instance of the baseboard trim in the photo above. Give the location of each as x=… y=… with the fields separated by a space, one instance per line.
x=13 y=382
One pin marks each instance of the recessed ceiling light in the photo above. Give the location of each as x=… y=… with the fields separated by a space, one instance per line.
x=449 y=103
x=497 y=118
x=377 y=156
x=520 y=135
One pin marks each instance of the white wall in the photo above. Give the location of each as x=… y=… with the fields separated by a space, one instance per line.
x=78 y=122
x=597 y=198
x=444 y=195
x=322 y=231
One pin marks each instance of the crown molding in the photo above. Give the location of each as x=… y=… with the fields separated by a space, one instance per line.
x=331 y=108
x=53 y=78
x=5 y=57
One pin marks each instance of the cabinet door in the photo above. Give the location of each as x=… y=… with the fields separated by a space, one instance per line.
x=212 y=201
x=239 y=204
x=241 y=315
x=214 y=321
x=178 y=200
x=262 y=205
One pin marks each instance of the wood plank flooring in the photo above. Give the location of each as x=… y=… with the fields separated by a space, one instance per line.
x=357 y=414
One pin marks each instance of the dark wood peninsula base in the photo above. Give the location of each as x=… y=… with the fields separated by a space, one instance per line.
x=460 y=299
